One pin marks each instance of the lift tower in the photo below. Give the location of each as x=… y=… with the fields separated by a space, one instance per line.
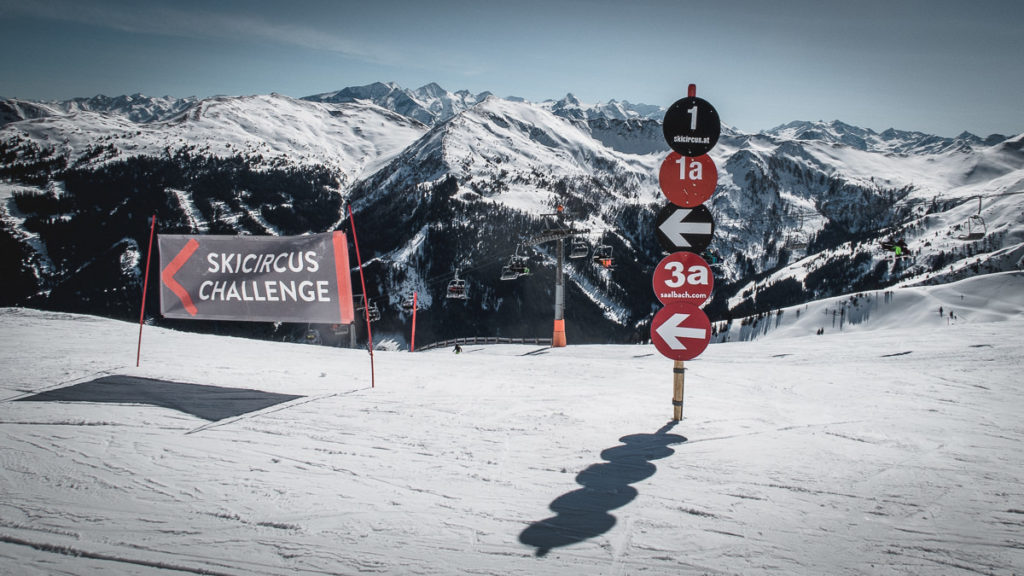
x=558 y=234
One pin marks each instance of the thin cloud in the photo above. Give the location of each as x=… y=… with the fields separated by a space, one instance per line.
x=169 y=21
x=202 y=23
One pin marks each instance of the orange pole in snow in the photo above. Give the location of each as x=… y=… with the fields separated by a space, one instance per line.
x=558 y=339
x=412 y=343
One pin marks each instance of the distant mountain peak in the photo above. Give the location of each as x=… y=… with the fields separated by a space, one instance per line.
x=889 y=141
x=429 y=104
x=433 y=89
x=136 y=107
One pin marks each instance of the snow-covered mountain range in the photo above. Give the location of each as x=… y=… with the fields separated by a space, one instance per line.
x=444 y=183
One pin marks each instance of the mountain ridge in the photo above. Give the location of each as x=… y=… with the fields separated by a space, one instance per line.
x=454 y=181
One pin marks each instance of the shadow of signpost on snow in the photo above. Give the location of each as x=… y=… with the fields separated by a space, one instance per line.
x=583 y=514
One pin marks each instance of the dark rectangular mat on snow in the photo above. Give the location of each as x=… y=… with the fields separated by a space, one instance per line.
x=207 y=402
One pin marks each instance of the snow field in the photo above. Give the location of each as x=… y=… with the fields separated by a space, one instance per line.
x=889 y=449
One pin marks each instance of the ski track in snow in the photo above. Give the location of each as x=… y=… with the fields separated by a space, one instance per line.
x=803 y=454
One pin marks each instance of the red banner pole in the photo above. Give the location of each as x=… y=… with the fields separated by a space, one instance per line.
x=366 y=303
x=412 y=344
x=145 y=286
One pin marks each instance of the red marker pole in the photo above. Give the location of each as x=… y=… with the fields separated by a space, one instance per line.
x=412 y=343
x=145 y=286
x=366 y=304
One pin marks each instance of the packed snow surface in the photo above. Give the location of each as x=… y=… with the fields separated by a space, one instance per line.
x=888 y=446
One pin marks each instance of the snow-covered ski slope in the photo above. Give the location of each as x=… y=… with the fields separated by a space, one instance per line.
x=989 y=298
x=892 y=446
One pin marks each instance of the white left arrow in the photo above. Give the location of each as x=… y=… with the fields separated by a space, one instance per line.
x=672 y=331
x=675 y=229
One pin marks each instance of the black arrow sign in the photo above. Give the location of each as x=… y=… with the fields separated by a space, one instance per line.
x=687 y=229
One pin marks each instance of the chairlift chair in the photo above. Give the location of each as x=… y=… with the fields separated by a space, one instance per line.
x=507 y=273
x=521 y=266
x=712 y=258
x=796 y=241
x=407 y=303
x=897 y=247
x=578 y=249
x=517 y=266
x=372 y=312
x=603 y=256
x=976 y=229
x=514 y=269
x=457 y=289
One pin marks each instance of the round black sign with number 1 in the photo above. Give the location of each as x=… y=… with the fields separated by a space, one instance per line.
x=691 y=126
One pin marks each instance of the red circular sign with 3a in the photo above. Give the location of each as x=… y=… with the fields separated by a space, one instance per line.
x=683 y=277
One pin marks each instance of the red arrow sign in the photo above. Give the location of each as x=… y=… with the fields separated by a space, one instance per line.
x=688 y=182
x=683 y=277
x=680 y=331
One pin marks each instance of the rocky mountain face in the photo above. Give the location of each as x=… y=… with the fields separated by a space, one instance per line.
x=444 y=184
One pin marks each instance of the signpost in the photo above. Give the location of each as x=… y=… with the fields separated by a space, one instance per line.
x=683 y=280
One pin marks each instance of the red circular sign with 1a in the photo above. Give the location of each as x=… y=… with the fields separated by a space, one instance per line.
x=683 y=277
x=688 y=182
x=680 y=331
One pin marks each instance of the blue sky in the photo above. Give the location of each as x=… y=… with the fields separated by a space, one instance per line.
x=935 y=66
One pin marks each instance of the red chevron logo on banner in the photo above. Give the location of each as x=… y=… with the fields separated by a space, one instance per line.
x=167 y=275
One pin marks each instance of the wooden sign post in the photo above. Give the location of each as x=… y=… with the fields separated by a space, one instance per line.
x=678 y=384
